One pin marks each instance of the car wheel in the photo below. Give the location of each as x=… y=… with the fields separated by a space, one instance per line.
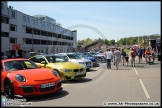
x=8 y=89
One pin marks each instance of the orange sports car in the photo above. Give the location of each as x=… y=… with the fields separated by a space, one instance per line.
x=22 y=77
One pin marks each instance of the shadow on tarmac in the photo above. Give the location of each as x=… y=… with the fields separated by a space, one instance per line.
x=51 y=96
x=81 y=80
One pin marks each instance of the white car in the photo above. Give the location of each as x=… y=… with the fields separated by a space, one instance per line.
x=75 y=58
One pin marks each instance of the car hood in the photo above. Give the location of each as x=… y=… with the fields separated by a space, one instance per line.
x=80 y=60
x=67 y=65
x=99 y=55
x=90 y=58
x=36 y=74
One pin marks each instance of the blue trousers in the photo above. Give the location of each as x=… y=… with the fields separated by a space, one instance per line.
x=109 y=63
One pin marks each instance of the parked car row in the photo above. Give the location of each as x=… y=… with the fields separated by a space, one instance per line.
x=42 y=74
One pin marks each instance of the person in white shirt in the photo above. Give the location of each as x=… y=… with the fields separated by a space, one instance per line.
x=5 y=57
x=109 y=55
x=17 y=55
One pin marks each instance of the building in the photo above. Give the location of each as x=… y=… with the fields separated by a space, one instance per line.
x=21 y=33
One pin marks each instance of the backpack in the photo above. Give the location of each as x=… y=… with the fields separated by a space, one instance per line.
x=133 y=54
x=124 y=54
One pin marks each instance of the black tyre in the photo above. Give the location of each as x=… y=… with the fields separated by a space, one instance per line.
x=8 y=89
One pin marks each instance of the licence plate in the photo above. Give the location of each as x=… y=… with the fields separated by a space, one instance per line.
x=47 y=85
x=79 y=73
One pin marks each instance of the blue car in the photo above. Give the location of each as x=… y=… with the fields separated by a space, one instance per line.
x=94 y=60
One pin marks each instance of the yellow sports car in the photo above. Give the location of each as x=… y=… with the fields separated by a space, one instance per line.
x=66 y=69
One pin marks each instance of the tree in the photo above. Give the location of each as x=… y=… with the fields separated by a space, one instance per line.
x=112 y=42
x=106 y=42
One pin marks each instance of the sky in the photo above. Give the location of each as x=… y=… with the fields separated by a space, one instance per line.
x=105 y=20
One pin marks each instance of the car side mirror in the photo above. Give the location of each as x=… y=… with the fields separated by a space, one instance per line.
x=43 y=62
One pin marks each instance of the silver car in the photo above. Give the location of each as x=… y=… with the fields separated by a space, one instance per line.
x=75 y=58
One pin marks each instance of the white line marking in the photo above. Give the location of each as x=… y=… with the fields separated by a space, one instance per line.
x=144 y=89
x=135 y=71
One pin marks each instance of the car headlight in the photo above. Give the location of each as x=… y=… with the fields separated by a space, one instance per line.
x=55 y=73
x=20 y=78
x=81 y=63
x=66 y=70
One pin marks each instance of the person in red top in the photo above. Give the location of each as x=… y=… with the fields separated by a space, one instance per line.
x=147 y=54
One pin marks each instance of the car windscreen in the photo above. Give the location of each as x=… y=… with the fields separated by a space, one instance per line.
x=19 y=65
x=55 y=59
x=74 y=56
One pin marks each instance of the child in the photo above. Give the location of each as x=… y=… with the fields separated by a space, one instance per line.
x=127 y=59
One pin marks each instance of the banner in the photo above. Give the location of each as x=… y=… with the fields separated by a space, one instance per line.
x=16 y=46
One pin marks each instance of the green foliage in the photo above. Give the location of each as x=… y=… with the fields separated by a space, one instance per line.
x=122 y=41
x=112 y=42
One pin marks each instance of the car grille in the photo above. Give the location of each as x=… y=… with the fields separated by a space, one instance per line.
x=28 y=89
x=88 y=63
x=78 y=70
x=93 y=60
x=46 y=89
x=81 y=69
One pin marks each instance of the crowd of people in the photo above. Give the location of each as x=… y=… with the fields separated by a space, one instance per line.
x=4 y=56
x=119 y=55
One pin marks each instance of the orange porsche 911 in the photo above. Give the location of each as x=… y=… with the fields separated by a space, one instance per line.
x=22 y=77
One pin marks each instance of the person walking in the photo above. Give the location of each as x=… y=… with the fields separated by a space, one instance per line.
x=117 y=55
x=140 y=53
x=132 y=57
x=153 y=54
x=127 y=59
x=5 y=57
x=12 y=56
x=109 y=55
x=147 y=55
x=123 y=55
x=17 y=55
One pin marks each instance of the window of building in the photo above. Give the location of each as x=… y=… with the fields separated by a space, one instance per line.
x=24 y=18
x=13 y=40
x=43 y=42
x=4 y=20
x=13 y=27
x=28 y=19
x=33 y=21
x=36 y=22
x=2 y=6
x=13 y=14
x=41 y=24
x=36 y=41
x=53 y=27
x=24 y=29
x=4 y=34
x=28 y=41
x=54 y=42
x=44 y=24
x=47 y=26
